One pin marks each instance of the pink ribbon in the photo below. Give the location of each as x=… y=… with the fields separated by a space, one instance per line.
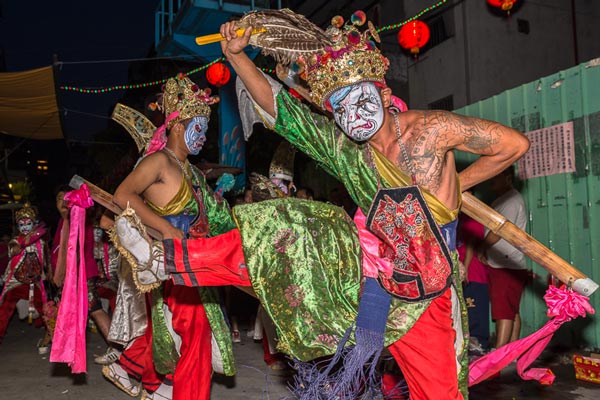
x=372 y=264
x=68 y=344
x=564 y=305
x=159 y=139
x=399 y=104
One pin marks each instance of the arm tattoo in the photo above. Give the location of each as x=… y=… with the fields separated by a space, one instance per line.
x=439 y=132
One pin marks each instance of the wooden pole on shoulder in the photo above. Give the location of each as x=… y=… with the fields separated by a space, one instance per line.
x=105 y=199
x=527 y=244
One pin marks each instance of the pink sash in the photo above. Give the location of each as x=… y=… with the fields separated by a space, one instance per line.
x=69 y=336
x=564 y=305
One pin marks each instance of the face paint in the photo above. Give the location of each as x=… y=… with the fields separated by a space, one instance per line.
x=195 y=134
x=25 y=226
x=280 y=185
x=358 y=110
x=98 y=234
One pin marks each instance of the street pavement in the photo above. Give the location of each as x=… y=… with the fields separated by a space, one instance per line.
x=25 y=375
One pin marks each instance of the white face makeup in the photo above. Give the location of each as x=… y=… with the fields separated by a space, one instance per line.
x=358 y=110
x=280 y=185
x=25 y=226
x=98 y=234
x=195 y=134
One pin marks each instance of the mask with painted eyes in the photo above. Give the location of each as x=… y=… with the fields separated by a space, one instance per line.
x=358 y=110
x=195 y=134
x=98 y=234
x=25 y=226
x=281 y=185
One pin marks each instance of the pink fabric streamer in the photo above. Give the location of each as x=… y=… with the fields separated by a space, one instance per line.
x=68 y=344
x=372 y=264
x=563 y=305
x=399 y=104
x=159 y=139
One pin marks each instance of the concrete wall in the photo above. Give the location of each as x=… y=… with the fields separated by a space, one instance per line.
x=487 y=54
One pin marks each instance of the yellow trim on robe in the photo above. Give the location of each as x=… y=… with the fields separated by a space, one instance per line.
x=178 y=203
x=396 y=178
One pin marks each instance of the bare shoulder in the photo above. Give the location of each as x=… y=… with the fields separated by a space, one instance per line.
x=146 y=173
x=475 y=135
x=153 y=161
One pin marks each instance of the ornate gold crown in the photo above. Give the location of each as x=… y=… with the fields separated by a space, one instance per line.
x=184 y=96
x=352 y=58
x=26 y=212
x=282 y=164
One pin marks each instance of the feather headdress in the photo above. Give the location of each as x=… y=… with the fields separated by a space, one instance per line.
x=284 y=35
x=328 y=60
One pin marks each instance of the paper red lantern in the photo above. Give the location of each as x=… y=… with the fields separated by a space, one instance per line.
x=413 y=36
x=504 y=5
x=218 y=74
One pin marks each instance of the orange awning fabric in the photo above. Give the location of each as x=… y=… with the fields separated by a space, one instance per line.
x=28 y=106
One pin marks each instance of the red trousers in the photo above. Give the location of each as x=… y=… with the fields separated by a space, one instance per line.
x=425 y=353
x=137 y=361
x=216 y=261
x=10 y=303
x=191 y=380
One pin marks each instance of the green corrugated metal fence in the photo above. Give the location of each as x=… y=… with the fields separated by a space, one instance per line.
x=564 y=209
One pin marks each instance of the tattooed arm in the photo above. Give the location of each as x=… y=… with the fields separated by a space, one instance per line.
x=498 y=145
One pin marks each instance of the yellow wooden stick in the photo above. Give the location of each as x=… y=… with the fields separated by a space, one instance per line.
x=216 y=37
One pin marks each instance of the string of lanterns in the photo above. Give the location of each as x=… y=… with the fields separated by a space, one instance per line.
x=412 y=36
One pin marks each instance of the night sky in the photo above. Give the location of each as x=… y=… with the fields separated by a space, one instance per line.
x=84 y=36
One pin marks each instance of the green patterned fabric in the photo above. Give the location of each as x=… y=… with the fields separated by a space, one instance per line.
x=350 y=163
x=164 y=351
x=220 y=330
x=353 y=165
x=310 y=250
x=218 y=216
x=219 y=221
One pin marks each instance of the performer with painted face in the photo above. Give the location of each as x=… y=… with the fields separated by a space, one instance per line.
x=399 y=169
x=26 y=272
x=389 y=161
x=173 y=357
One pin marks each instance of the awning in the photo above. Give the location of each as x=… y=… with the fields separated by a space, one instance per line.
x=28 y=106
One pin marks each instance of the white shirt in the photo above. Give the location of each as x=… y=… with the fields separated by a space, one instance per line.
x=502 y=254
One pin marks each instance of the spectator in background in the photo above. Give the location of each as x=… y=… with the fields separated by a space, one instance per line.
x=24 y=277
x=506 y=266
x=305 y=193
x=469 y=237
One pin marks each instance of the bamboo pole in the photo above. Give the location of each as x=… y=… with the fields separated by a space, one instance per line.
x=471 y=206
x=535 y=250
x=104 y=198
x=216 y=37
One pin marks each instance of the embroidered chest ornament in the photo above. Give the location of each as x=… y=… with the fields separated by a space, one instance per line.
x=413 y=242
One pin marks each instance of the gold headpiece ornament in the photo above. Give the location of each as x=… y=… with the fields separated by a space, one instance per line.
x=182 y=95
x=352 y=58
x=282 y=164
x=137 y=125
x=179 y=94
x=328 y=60
x=26 y=212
